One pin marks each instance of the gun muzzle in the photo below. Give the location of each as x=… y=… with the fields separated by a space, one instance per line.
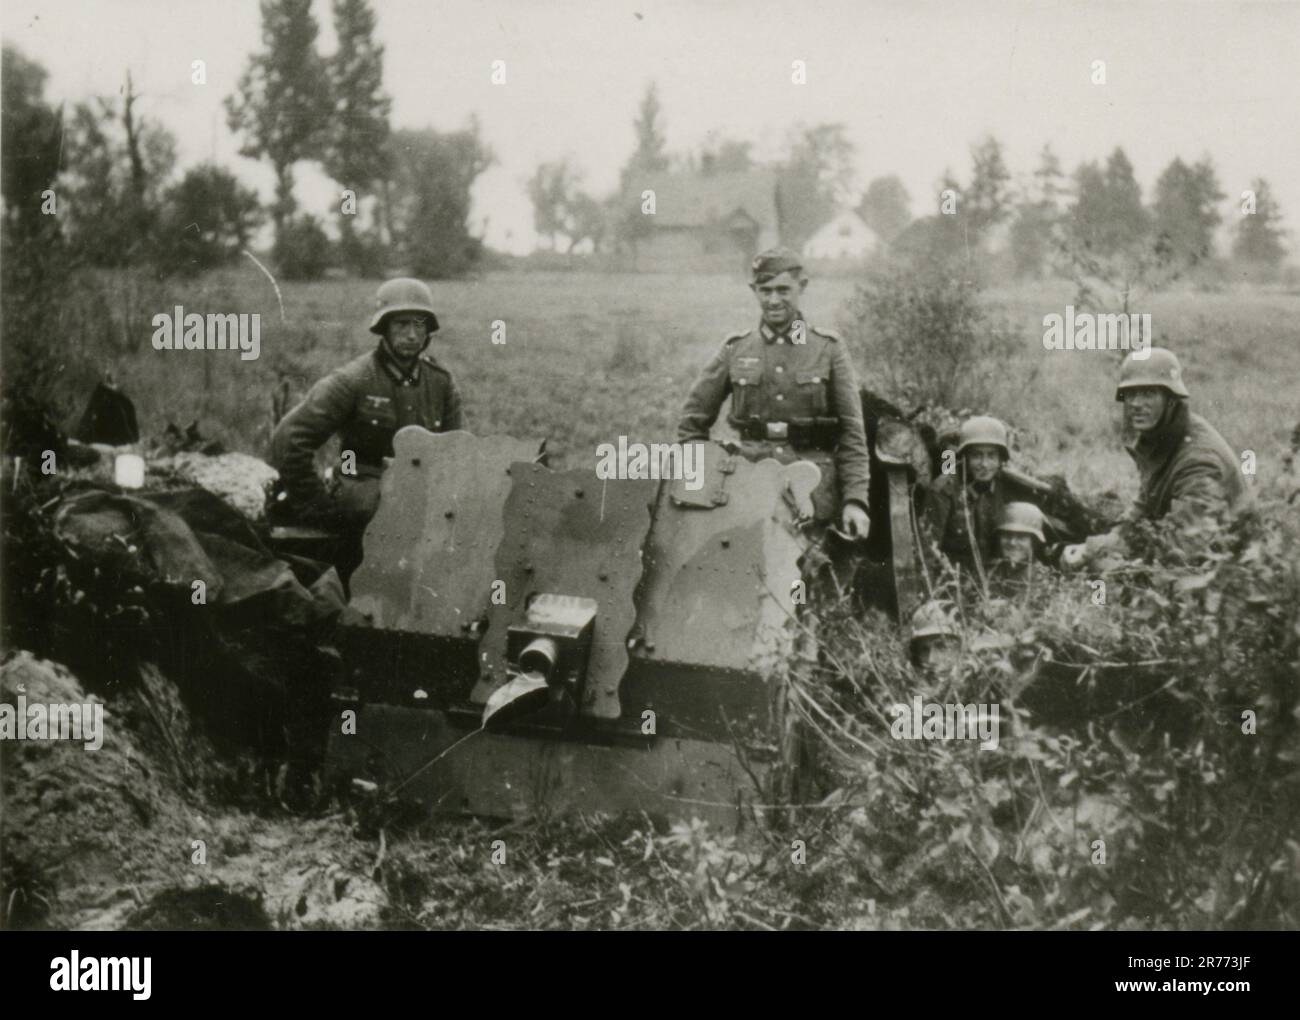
x=540 y=656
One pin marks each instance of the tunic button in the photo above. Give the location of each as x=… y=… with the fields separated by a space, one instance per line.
x=780 y=397
x=780 y=369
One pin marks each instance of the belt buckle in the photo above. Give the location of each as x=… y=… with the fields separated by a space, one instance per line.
x=777 y=430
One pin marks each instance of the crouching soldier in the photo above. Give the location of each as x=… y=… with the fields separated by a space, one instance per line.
x=1187 y=472
x=1186 y=468
x=364 y=402
x=793 y=396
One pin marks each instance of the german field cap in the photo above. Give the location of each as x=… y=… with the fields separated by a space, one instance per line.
x=774 y=262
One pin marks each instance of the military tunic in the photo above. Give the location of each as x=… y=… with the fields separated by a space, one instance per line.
x=1187 y=469
x=364 y=402
x=806 y=390
x=944 y=509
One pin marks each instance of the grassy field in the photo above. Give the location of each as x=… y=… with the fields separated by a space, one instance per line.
x=591 y=356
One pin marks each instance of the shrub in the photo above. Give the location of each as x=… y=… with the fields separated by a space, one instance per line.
x=924 y=326
x=208 y=219
x=302 y=249
x=1132 y=791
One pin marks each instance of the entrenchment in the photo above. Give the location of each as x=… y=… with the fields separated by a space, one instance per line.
x=143 y=832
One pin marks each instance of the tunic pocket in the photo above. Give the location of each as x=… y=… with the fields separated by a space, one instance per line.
x=812 y=397
x=745 y=380
x=372 y=430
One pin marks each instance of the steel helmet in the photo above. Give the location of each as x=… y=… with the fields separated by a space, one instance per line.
x=1024 y=518
x=932 y=619
x=1155 y=366
x=983 y=430
x=403 y=295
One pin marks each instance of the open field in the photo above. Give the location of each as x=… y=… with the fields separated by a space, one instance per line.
x=937 y=835
x=591 y=356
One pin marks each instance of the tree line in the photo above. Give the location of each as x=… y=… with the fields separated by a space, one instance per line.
x=1092 y=224
x=100 y=179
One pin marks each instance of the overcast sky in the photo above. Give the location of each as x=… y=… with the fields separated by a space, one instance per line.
x=915 y=84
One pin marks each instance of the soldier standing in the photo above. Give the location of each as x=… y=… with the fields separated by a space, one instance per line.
x=365 y=402
x=793 y=394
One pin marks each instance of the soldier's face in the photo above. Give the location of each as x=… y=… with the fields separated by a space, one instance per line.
x=938 y=654
x=1144 y=406
x=406 y=335
x=1015 y=547
x=983 y=462
x=779 y=299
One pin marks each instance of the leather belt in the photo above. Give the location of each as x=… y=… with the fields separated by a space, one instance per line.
x=817 y=433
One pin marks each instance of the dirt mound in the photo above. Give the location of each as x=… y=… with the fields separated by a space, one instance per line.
x=134 y=833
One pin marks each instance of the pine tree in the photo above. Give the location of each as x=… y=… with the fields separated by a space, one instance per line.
x=987 y=199
x=1259 y=235
x=1184 y=212
x=1107 y=216
x=650 y=155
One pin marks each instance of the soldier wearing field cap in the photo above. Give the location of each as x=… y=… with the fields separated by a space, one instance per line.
x=794 y=395
x=365 y=402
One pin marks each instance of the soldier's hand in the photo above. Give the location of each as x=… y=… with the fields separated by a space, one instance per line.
x=1072 y=557
x=854 y=522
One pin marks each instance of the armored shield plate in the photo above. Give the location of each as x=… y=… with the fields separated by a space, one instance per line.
x=571 y=533
x=715 y=466
x=720 y=582
x=429 y=550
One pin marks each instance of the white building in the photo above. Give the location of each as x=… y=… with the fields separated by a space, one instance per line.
x=844 y=237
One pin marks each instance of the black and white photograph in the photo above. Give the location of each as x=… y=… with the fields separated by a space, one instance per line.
x=651 y=466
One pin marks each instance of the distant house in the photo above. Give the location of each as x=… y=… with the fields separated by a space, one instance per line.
x=844 y=237
x=714 y=221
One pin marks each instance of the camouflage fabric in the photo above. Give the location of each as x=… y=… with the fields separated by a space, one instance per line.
x=809 y=386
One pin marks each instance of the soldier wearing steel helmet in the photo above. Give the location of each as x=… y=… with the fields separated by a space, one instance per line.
x=793 y=394
x=365 y=402
x=934 y=638
x=1186 y=468
x=1018 y=528
x=960 y=510
x=1020 y=547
